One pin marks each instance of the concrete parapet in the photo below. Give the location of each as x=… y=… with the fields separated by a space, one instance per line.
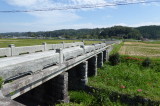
x=15 y=51
x=15 y=66
x=72 y=52
x=5 y=52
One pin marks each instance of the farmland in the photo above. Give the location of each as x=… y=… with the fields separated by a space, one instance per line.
x=30 y=42
x=144 y=49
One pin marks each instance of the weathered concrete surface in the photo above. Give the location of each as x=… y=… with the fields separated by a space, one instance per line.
x=26 y=64
x=60 y=88
x=78 y=77
x=72 y=53
x=15 y=51
x=100 y=60
x=12 y=66
x=92 y=66
x=27 y=49
x=105 y=55
x=89 y=48
x=27 y=83
x=8 y=102
x=5 y=52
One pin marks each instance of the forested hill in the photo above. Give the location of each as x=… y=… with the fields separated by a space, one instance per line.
x=151 y=32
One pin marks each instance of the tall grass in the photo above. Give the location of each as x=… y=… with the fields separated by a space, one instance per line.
x=129 y=77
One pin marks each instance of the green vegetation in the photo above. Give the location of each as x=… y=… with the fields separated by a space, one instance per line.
x=129 y=80
x=116 y=47
x=29 y=42
x=146 y=62
x=151 y=32
x=114 y=59
x=128 y=83
x=1 y=82
x=117 y=32
x=129 y=77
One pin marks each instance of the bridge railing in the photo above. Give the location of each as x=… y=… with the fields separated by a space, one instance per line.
x=15 y=51
x=16 y=66
x=28 y=64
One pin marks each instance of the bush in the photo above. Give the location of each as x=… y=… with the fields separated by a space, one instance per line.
x=114 y=59
x=1 y=82
x=146 y=62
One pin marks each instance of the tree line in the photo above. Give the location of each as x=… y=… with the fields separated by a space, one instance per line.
x=117 y=32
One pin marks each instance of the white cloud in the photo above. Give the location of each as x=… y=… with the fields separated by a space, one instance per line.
x=79 y=2
x=50 y=20
x=145 y=24
x=22 y=2
x=45 y=18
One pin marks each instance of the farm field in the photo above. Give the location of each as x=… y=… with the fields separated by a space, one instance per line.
x=143 y=49
x=29 y=42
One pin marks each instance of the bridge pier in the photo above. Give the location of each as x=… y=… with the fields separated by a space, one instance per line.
x=100 y=60
x=92 y=66
x=78 y=77
x=60 y=88
x=49 y=93
x=105 y=55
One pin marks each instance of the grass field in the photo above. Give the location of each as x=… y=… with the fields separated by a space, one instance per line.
x=29 y=42
x=144 y=49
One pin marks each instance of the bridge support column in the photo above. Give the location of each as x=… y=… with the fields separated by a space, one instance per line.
x=104 y=56
x=92 y=66
x=100 y=60
x=78 y=77
x=59 y=88
x=107 y=55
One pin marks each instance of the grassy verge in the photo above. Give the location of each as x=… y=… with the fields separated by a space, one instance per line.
x=116 y=48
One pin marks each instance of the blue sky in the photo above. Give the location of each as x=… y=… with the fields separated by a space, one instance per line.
x=128 y=15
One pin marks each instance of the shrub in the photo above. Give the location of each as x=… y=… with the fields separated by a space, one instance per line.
x=114 y=59
x=1 y=82
x=146 y=62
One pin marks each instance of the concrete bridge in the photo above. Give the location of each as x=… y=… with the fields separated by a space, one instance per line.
x=45 y=76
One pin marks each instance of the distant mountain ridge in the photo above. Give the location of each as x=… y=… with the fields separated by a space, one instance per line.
x=150 y=32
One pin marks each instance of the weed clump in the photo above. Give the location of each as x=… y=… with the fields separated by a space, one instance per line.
x=146 y=62
x=114 y=59
x=1 y=82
